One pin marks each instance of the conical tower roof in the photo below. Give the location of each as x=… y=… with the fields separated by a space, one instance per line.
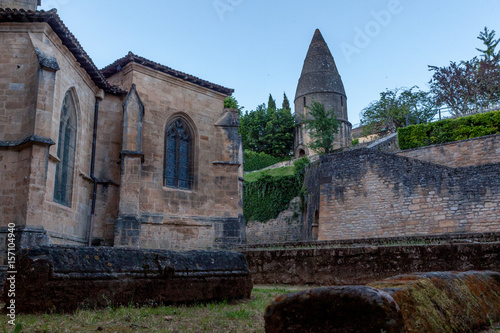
x=319 y=73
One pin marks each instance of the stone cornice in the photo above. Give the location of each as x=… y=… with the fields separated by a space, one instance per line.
x=27 y=141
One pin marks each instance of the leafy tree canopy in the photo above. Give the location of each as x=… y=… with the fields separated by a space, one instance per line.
x=231 y=103
x=286 y=103
x=268 y=129
x=488 y=39
x=322 y=126
x=470 y=85
x=395 y=107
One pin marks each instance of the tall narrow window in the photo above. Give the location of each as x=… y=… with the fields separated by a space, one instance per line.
x=66 y=148
x=178 y=155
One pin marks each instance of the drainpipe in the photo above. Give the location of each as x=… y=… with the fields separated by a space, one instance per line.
x=99 y=97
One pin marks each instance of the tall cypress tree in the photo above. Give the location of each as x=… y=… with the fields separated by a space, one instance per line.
x=286 y=103
x=271 y=105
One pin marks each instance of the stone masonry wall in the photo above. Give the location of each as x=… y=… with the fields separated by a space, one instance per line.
x=107 y=169
x=68 y=225
x=364 y=264
x=18 y=84
x=365 y=193
x=31 y=97
x=463 y=153
x=285 y=228
x=210 y=213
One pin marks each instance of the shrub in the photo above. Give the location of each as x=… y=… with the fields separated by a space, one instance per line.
x=448 y=130
x=256 y=161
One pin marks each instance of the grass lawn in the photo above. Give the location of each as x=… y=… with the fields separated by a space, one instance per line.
x=225 y=316
x=284 y=171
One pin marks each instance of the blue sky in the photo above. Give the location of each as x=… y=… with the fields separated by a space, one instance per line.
x=258 y=47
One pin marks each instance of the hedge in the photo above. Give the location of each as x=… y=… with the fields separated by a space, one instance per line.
x=268 y=196
x=256 y=161
x=448 y=130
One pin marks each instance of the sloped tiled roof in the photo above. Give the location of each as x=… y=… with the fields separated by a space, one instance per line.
x=119 y=64
x=68 y=39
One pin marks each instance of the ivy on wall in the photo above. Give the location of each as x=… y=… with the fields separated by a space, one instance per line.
x=268 y=196
x=449 y=130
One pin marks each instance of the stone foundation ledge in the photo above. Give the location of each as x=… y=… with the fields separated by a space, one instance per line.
x=64 y=278
x=422 y=302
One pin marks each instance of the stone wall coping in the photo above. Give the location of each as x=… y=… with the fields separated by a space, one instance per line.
x=438 y=238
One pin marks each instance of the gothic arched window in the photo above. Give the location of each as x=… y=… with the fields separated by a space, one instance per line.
x=66 y=148
x=178 y=155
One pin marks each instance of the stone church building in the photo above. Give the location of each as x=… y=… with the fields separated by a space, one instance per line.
x=320 y=82
x=136 y=154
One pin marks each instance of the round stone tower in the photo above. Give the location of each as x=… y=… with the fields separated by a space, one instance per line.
x=320 y=82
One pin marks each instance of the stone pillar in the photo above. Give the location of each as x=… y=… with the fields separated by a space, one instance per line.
x=30 y=232
x=128 y=224
x=231 y=231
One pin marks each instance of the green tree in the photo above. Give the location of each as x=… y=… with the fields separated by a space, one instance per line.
x=279 y=133
x=271 y=104
x=268 y=130
x=470 y=85
x=252 y=128
x=322 y=126
x=286 y=103
x=395 y=107
x=231 y=103
x=488 y=39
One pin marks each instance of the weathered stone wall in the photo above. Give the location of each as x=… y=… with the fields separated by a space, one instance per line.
x=18 y=88
x=365 y=264
x=366 y=193
x=285 y=228
x=68 y=225
x=39 y=71
x=210 y=214
x=476 y=151
x=107 y=169
x=63 y=278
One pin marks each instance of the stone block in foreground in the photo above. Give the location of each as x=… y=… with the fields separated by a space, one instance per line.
x=420 y=302
x=63 y=278
x=445 y=301
x=334 y=309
